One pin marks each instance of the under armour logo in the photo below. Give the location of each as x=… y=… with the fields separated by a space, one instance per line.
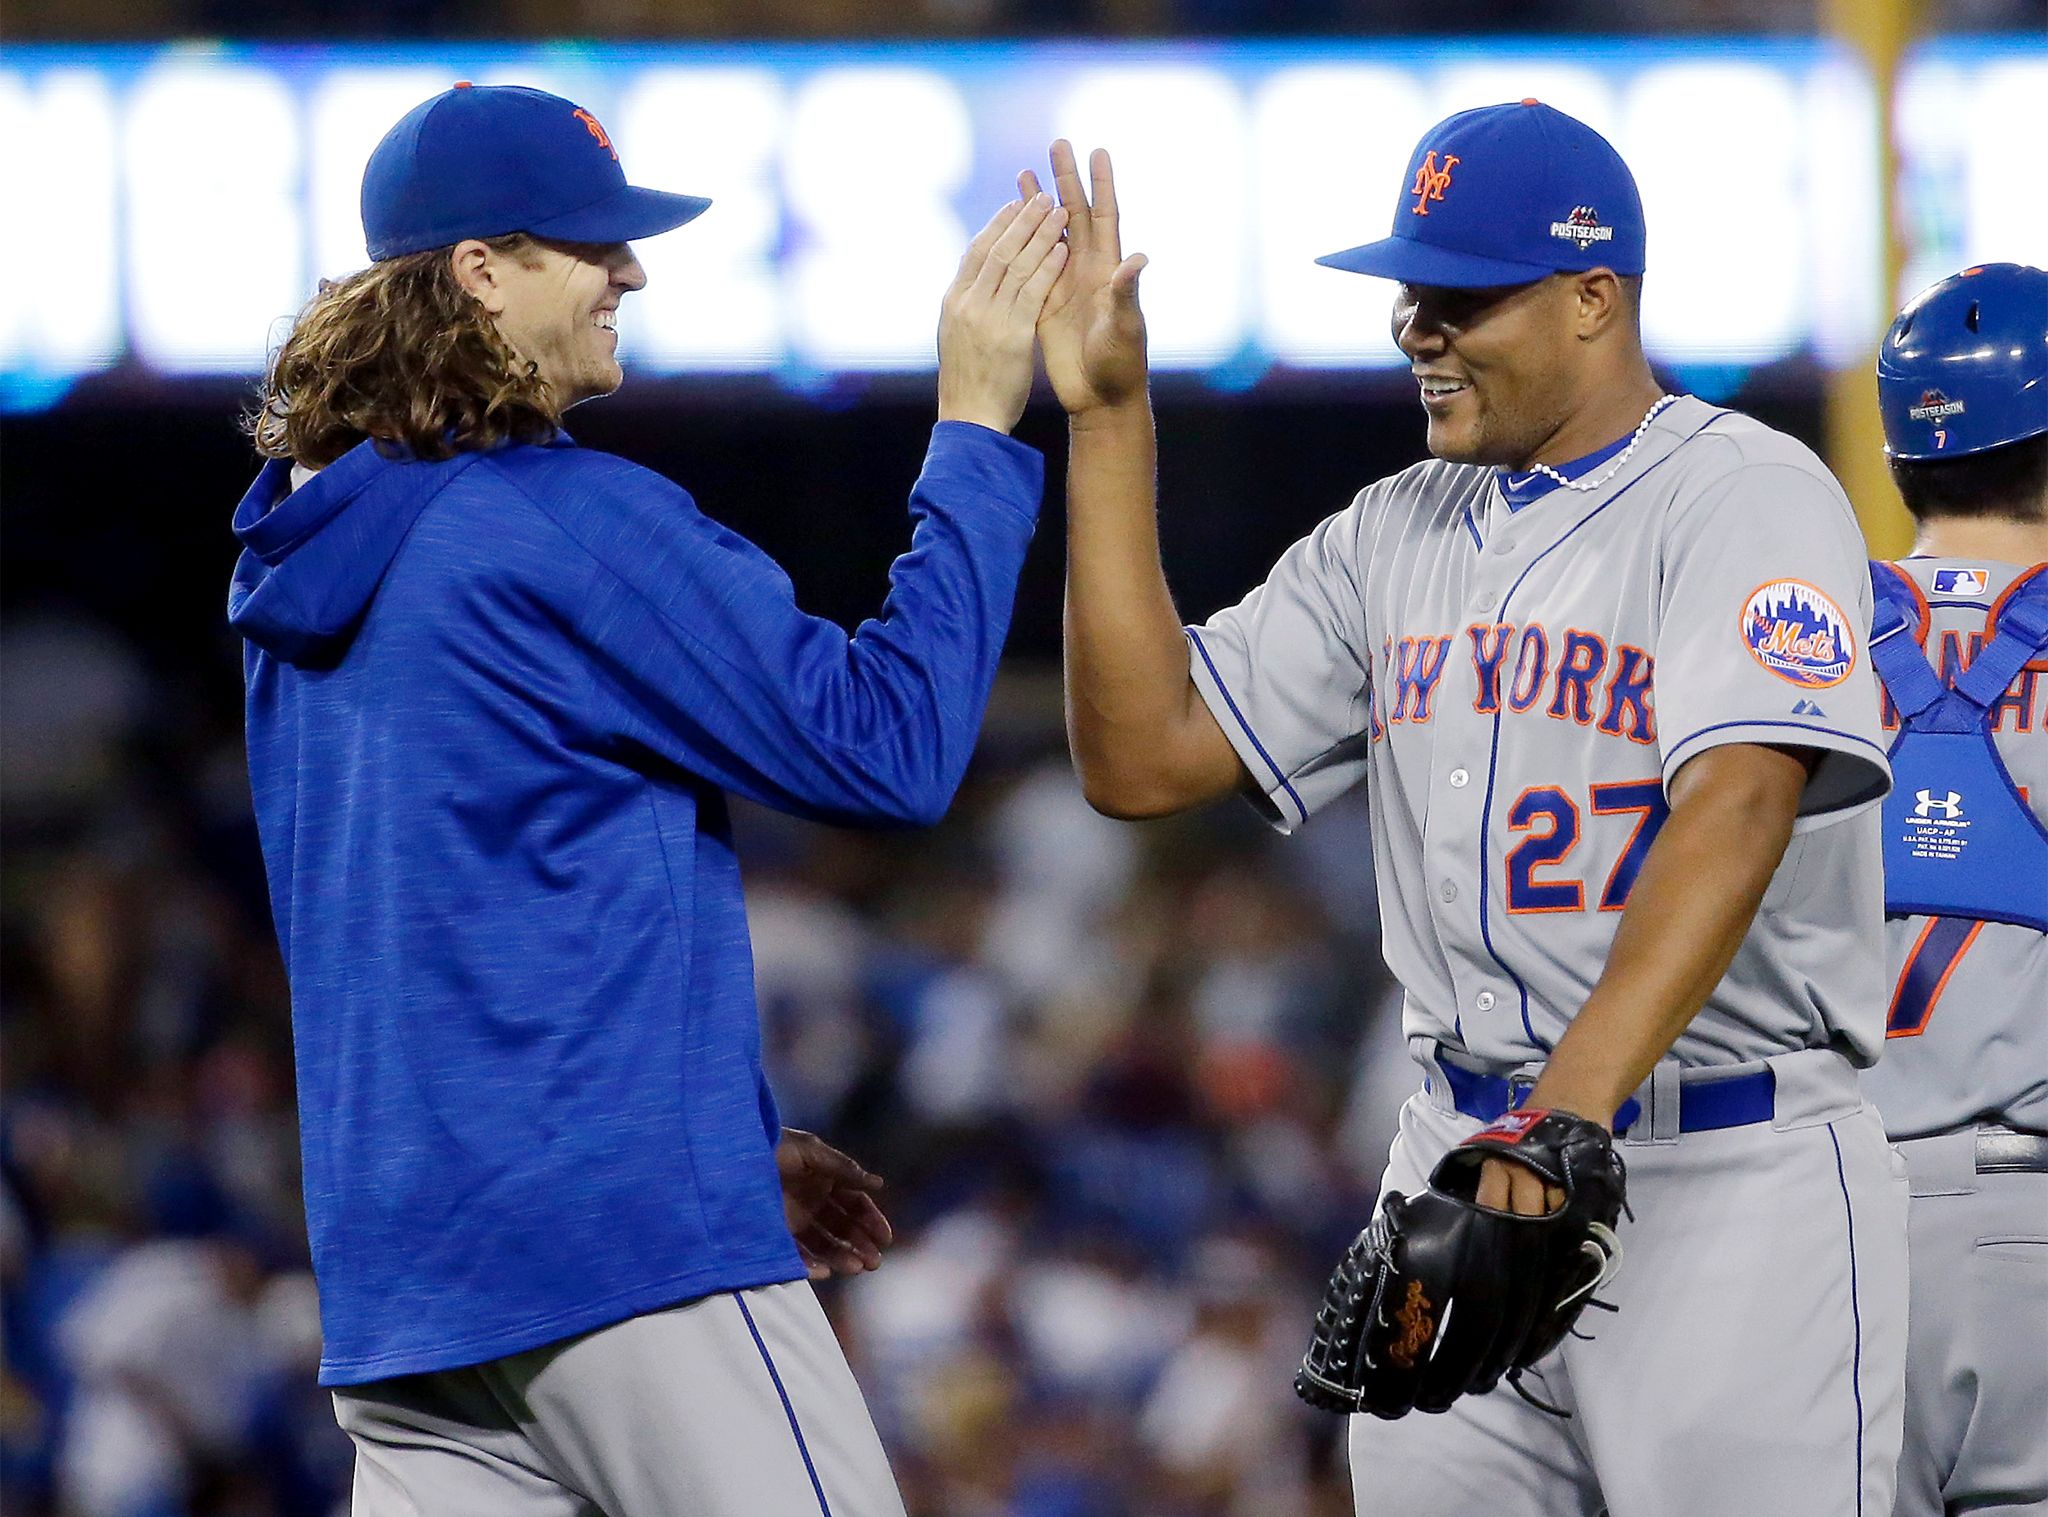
x=1431 y=181
x=1950 y=808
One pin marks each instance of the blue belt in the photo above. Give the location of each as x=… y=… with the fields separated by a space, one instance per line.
x=1703 y=1105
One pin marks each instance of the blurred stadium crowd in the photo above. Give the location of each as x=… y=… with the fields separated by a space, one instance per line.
x=1129 y=1086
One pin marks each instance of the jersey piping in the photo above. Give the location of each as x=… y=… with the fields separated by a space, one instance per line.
x=788 y=1408
x=1671 y=763
x=1855 y=1313
x=1285 y=784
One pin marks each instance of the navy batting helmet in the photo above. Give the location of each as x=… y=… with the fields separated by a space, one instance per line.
x=1965 y=367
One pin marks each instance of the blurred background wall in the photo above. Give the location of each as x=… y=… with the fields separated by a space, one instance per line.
x=1131 y=1085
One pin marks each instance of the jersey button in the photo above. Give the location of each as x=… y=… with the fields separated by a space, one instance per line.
x=1460 y=779
x=1484 y=1000
x=1448 y=891
x=1503 y=545
x=1487 y=600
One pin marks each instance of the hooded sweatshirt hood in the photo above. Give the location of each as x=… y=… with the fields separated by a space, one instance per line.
x=312 y=558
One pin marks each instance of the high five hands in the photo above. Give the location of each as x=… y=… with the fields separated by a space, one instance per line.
x=1091 y=330
x=1054 y=269
x=987 y=321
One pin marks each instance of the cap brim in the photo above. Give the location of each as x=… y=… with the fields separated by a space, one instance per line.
x=626 y=215
x=1410 y=262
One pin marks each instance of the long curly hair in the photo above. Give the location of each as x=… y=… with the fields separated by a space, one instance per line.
x=399 y=352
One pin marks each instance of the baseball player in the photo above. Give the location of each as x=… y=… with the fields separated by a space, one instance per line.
x=1960 y=644
x=1599 y=661
x=498 y=688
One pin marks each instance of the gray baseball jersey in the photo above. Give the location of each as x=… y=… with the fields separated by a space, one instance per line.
x=1976 y=1048
x=1518 y=689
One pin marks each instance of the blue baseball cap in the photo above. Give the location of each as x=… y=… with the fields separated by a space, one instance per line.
x=1965 y=367
x=1504 y=195
x=486 y=160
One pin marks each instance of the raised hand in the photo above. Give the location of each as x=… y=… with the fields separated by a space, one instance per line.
x=829 y=1202
x=986 y=325
x=1091 y=329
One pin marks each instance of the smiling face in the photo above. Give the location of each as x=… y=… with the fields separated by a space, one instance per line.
x=1501 y=370
x=557 y=304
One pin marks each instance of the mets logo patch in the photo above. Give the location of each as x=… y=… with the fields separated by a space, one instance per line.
x=1798 y=634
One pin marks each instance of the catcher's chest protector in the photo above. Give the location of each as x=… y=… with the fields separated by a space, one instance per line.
x=1959 y=841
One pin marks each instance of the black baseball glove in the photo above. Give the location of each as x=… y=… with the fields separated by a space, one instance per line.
x=1441 y=1296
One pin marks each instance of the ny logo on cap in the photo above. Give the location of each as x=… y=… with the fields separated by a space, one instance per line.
x=590 y=125
x=1431 y=181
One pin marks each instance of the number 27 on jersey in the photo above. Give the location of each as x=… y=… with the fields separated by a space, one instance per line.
x=1549 y=820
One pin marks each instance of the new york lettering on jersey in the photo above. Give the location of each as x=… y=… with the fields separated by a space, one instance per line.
x=1517 y=672
x=1512 y=667
x=1967 y=1004
x=1522 y=655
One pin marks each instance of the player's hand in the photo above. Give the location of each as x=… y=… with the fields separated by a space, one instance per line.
x=1092 y=331
x=829 y=1201
x=1507 y=1186
x=987 y=323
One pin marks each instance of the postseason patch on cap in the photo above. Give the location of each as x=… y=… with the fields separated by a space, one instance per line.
x=1960 y=581
x=1798 y=634
x=1582 y=228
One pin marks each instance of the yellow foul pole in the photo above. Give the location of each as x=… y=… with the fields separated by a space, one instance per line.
x=1877 y=32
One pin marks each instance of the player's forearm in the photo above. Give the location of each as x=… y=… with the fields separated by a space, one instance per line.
x=1127 y=685
x=1701 y=884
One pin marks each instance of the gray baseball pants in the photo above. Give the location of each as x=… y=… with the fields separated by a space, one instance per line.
x=735 y=1405
x=1977 y=1354
x=1755 y=1366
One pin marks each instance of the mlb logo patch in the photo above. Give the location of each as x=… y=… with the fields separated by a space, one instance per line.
x=1960 y=581
x=1798 y=633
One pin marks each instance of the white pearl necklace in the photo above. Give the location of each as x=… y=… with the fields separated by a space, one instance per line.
x=1613 y=468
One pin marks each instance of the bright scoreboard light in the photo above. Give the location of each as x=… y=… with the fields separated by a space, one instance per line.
x=178 y=204
x=1971 y=186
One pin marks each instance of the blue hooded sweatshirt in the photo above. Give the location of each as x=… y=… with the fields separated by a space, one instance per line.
x=494 y=705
